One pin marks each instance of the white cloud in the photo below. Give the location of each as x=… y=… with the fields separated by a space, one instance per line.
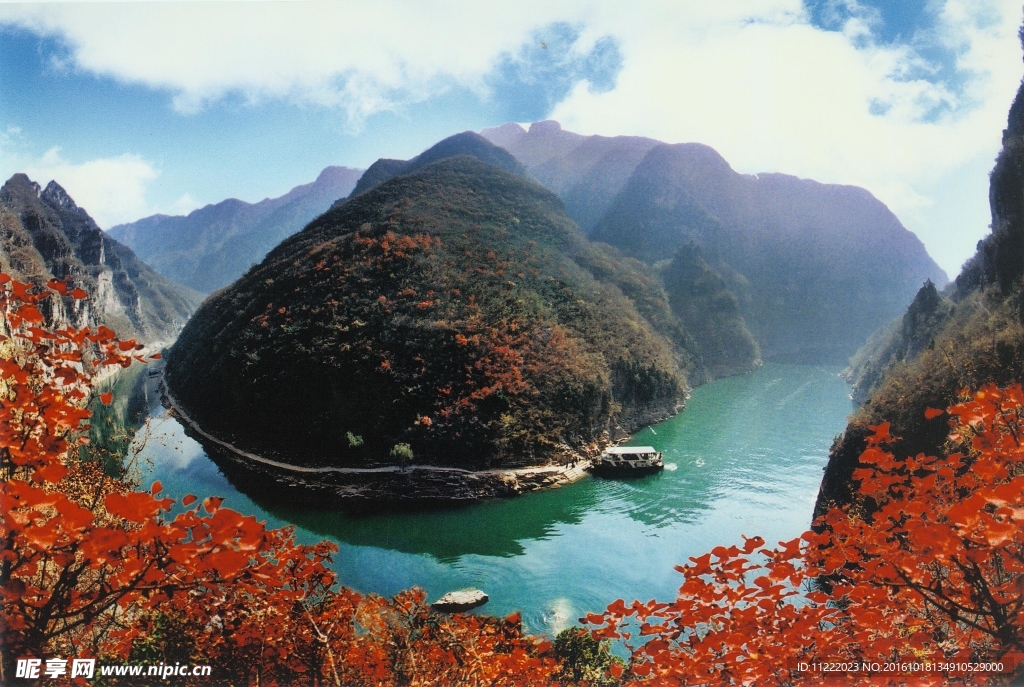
x=751 y=78
x=183 y=205
x=781 y=95
x=365 y=57
x=112 y=190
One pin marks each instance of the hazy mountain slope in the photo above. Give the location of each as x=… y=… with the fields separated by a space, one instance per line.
x=447 y=309
x=710 y=312
x=45 y=235
x=815 y=268
x=655 y=214
x=586 y=172
x=590 y=176
x=972 y=335
x=466 y=143
x=544 y=141
x=642 y=286
x=901 y=341
x=827 y=265
x=212 y=246
x=173 y=244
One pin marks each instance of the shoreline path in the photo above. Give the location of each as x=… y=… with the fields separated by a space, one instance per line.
x=564 y=474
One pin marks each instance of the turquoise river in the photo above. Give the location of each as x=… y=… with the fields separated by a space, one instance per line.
x=745 y=457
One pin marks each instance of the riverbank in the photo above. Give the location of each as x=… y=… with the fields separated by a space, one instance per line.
x=745 y=447
x=411 y=486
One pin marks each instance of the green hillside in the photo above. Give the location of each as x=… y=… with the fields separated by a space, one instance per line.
x=455 y=309
x=710 y=312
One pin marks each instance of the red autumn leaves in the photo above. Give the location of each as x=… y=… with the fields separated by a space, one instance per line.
x=91 y=567
x=927 y=565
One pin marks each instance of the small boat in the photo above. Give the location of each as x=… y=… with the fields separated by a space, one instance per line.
x=628 y=461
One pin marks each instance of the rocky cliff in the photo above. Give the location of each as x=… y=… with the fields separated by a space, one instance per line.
x=44 y=235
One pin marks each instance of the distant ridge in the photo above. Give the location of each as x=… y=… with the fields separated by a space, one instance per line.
x=213 y=246
x=586 y=172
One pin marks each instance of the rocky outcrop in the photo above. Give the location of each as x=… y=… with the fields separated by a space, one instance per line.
x=371 y=489
x=414 y=487
x=45 y=235
x=1000 y=257
x=463 y=600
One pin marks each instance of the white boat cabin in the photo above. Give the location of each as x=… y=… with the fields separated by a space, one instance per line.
x=630 y=453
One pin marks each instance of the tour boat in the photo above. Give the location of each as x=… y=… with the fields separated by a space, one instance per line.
x=628 y=461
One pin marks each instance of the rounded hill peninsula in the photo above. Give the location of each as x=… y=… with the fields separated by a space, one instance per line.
x=450 y=316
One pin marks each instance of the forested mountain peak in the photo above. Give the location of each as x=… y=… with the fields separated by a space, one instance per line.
x=467 y=143
x=455 y=310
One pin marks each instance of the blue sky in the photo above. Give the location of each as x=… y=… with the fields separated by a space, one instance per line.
x=147 y=107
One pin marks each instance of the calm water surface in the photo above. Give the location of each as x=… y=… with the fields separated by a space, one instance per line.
x=745 y=457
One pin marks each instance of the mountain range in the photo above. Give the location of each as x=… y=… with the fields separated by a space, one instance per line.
x=213 y=246
x=500 y=299
x=815 y=268
x=452 y=307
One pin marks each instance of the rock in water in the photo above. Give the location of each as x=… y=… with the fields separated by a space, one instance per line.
x=464 y=600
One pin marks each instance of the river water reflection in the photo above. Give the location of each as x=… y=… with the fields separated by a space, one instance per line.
x=746 y=457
